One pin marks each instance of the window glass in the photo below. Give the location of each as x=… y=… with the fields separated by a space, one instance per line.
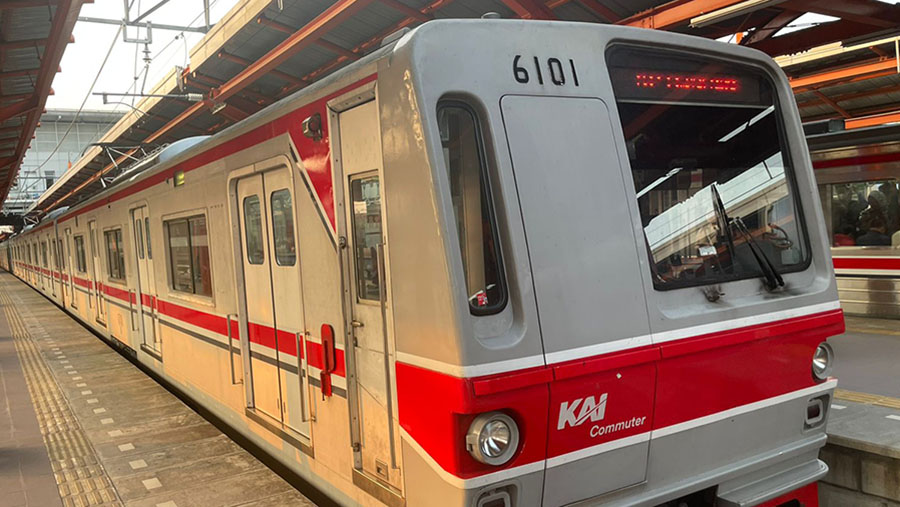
x=253 y=230
x=44 y=254
x=79 y=254
x=714 y=187
x=200 y=256
x=61 y=254
x=180 y=255
x=189 y=255
x=366 y=198
x=475 y=224
x=283 y=228
x=139 y=237
x=147 y=236
x=865 y=213
x=115 y=255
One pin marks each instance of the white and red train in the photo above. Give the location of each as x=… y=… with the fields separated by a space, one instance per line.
x=495 y=263
x=859 y=183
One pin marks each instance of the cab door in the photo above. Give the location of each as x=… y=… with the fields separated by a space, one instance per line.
x=360 y=144
x=589 y=292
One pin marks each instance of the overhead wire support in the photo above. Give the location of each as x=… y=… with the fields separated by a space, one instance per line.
x=141 y=24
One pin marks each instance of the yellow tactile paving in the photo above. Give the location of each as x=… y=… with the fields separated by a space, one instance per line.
x=871 y=399
x=80 y=477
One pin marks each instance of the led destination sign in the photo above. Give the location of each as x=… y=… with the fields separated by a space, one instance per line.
x=644 y=83
x=688 y=82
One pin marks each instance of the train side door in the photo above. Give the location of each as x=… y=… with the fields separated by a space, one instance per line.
x=140 y=221
x=62 y=265
x=69 y=261
x=274 y=297
x=287 y=297
x=54 y=263
x=96 y=270
x=360 y=143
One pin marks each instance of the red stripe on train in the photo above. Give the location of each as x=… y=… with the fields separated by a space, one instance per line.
x=651 y=387
x=885 y=263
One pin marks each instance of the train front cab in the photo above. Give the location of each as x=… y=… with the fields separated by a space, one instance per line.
x=629 y=279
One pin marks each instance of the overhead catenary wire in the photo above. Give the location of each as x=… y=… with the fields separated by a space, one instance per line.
x=80 y=109
x=144 y=72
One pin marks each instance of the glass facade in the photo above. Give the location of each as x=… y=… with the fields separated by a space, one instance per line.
x=34 y=178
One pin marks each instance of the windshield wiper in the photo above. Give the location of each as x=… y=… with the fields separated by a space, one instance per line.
x=724 y=224
x=770 y=273
x=773 y=277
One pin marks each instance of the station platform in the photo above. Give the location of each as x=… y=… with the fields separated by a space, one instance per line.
x=81 y=425
x=866 y=356
x=863 y=450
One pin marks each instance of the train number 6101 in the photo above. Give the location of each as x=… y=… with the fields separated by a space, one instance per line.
x=553 y=66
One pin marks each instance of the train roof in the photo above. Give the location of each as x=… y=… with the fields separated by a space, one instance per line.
x=437 y=30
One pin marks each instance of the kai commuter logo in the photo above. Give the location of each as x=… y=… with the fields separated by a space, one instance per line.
x=585 y=408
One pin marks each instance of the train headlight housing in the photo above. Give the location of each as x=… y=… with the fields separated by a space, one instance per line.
x=493 y=438
x=823 y=361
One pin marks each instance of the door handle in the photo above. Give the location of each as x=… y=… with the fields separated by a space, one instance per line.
x=356 y=323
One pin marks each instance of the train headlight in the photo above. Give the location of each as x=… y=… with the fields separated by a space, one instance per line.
x=492 y=438
x=823 y=361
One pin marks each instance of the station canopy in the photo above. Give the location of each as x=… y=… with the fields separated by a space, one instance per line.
x=844 y=65
x=33 y=36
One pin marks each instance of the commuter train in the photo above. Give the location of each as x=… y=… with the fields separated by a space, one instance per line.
x=858 y=184
x=495 y=263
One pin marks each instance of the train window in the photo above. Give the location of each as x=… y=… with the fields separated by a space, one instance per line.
x=475 y=222
x=709 y=162
x=147 y=236
x=115 y=254
x=865 y=213
x=365 y=193
x=80 y=261
x=44 y=254
x=61 y=255
x=189 y=255
x=253 y=230
x=283 y=228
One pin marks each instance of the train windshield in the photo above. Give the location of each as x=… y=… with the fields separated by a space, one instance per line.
x=714 y=184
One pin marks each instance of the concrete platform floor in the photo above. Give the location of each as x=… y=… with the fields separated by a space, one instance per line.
x=867 y=356
x=80 y=425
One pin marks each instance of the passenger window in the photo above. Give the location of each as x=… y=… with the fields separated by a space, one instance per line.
x=80 y=261
x=253 y=230
x=115 y=254
x=865 y=213
x=189 y=255
x=283 y=228
x=476 y=226
x=366 y=197
x=61 y=254
x=200 y=267
x=139 y=235
x=147 y=236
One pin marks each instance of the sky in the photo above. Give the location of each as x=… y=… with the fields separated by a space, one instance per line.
x=82 y=60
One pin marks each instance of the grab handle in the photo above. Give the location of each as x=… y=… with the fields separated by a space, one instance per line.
x=382 y=297
x=234 y=380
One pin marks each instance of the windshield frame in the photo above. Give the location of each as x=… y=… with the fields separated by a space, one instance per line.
x=785 y=149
